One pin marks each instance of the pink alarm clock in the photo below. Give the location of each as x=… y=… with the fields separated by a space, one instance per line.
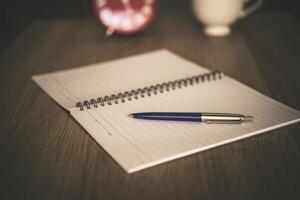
x=125 y=16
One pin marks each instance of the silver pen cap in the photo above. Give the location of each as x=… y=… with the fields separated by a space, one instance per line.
x=225 y=118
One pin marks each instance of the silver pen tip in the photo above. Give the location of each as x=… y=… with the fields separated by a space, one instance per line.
x=247 y=118
x=130 y=115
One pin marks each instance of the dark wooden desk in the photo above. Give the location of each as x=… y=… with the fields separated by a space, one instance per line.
x=45 y=154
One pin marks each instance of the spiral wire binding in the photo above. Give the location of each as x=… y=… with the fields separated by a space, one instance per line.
x=148 y=91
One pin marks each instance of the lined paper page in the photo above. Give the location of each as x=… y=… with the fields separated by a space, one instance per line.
x=98 y=80
x=138 y=144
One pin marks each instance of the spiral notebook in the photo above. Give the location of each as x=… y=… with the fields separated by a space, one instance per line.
x=100 y=97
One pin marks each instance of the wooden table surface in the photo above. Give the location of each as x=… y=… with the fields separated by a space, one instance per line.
x=46 y=154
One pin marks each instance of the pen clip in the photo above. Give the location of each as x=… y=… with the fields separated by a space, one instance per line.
x=223 y=122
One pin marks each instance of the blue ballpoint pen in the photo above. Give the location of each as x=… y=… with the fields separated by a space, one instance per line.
x=226 y=118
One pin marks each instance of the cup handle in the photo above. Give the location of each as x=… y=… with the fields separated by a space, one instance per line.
x=247 y=11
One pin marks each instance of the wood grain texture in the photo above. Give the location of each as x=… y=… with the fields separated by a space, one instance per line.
x=45 y=154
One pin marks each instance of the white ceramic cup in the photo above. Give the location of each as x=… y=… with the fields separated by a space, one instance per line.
x=218 y=15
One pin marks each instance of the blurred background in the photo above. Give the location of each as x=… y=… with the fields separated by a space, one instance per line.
x=16 y=15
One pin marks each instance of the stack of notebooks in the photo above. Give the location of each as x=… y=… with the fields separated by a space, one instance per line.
x=101 y=96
